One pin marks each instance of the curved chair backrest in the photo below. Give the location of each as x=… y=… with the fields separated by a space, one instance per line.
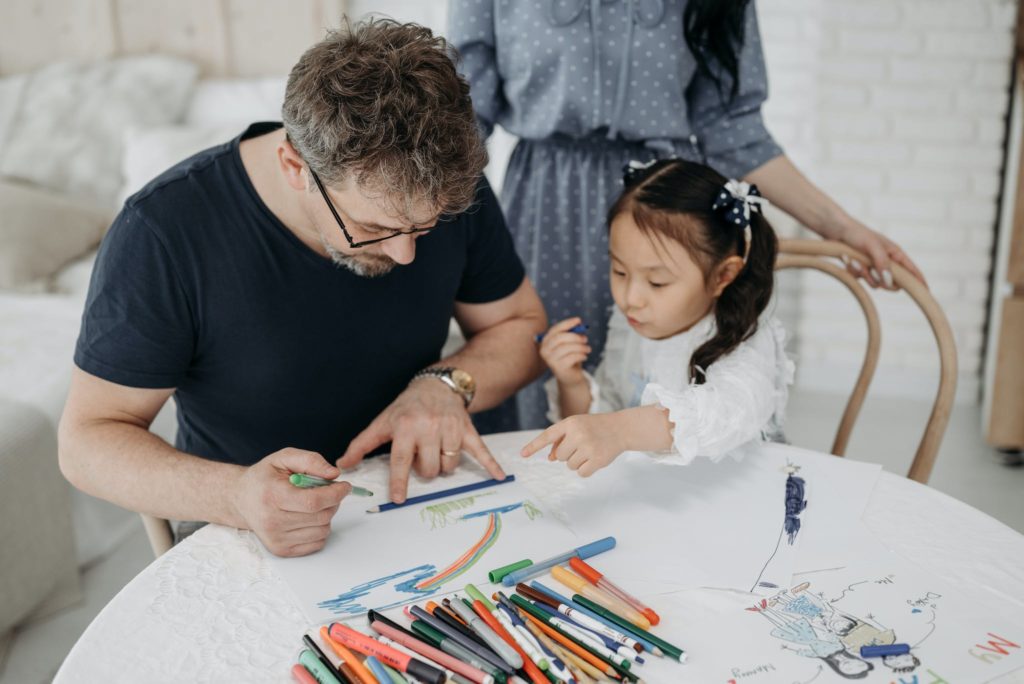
x=161 y=537
x=820 y=255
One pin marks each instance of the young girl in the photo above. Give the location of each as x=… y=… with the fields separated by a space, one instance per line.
x=693 y=365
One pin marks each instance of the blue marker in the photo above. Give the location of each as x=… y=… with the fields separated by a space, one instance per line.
x=578 y=329
x=377 y=669
x=584 y=552
x=885 y=650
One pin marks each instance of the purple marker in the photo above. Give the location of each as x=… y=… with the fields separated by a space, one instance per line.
x=578 y=329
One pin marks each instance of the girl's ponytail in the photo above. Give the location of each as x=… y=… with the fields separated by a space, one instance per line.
x=742 y=301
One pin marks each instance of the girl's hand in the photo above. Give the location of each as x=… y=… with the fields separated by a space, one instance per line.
x=586 y=443
x=881 y=251
x=564 y=352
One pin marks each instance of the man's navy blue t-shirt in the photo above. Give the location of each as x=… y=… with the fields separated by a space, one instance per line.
x=199 y=287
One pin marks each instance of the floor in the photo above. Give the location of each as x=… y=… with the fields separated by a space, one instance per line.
x=889 y=430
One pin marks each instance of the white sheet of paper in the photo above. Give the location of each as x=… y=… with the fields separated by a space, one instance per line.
x=720 y=524
x=381 y=560
x=813 y=631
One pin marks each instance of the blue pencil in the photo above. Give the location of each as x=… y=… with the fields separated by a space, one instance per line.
x=579 y=329
x=441 y=494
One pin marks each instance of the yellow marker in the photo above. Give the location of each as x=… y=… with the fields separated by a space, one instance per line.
x=599 y=596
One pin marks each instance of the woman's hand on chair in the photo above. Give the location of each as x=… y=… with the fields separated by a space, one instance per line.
x=881 y=250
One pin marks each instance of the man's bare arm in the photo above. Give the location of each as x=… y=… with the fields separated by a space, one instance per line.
x=106 y=450
x=500 y=351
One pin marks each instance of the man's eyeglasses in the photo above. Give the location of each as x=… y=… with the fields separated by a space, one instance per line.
x=341 y=224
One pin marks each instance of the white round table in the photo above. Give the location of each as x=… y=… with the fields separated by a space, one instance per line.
x=211 y=610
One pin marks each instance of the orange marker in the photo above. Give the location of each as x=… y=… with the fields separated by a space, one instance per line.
x=399 y=660
x=529 y=667
x=571 y=645
x=348 y=659
x=600 y=597
x=589 y=573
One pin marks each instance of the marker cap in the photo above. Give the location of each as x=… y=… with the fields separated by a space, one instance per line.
x=585 y=570
x=498 y=574
x=569 y=579
x=478 y=595
x=594 y=548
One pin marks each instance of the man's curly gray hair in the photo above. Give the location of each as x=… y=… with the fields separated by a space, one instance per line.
x=382 y=102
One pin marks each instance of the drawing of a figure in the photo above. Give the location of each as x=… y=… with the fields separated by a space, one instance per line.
x=852 y=631
x=829 y=634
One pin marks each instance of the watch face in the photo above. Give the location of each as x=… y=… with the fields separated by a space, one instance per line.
x=464 y=380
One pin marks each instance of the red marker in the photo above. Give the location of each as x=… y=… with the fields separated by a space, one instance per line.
x=427 y=651
x=402 y=662
x=301 y=675
x=589 y=573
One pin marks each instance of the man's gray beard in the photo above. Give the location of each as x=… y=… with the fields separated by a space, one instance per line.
x=373 y=266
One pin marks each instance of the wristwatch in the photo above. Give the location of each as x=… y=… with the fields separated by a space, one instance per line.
x=460 y=382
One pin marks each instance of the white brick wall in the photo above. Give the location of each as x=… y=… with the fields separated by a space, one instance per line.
x=896 y=108
x=908 y=125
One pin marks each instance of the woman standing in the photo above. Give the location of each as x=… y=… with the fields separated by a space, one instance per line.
x=589 y=85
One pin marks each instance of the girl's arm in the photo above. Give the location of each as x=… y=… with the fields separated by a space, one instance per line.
x=742 y=392
x=589 y=442
x=574 y=398
x=783 y=184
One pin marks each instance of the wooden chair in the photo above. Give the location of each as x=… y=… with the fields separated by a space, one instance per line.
x=161 y=536
x=821 y=255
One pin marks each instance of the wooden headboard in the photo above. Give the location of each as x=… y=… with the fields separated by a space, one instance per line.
x=225 y=37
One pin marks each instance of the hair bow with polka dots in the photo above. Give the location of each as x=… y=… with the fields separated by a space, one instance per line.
x=633 y=170
x=734 y=202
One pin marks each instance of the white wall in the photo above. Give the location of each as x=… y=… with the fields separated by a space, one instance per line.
x=897 y=109
x=911 y=99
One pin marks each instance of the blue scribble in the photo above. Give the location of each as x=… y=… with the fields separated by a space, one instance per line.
x=500 y=509
x=347 y=604
x=795 y=504
x=802 y=605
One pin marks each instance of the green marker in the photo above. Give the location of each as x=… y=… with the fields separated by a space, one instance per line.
x=441 y=642
x=622 y=670
x=320 y=673
x=673 y=651
x=307 y=481
x=395 y=676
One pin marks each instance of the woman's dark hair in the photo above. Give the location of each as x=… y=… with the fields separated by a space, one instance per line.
x=714 y=32
x=672 y=199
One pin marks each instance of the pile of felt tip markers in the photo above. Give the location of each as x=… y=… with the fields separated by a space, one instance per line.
x=532 y=634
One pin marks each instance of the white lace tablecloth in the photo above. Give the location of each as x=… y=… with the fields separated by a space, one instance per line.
x=211 y=610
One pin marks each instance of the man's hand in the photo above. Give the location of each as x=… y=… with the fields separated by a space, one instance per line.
x=586 y=443
x=428 y=427
x=289 y=520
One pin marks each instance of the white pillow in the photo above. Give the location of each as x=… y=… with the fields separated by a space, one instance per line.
x=148 y=152
x=67 y=131
x=239 y=101
x=40 y=231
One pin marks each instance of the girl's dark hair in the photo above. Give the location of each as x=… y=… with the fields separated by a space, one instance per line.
x=714 y=32
x=672 y=199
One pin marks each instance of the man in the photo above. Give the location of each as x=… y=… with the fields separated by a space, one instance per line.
x=292 y=290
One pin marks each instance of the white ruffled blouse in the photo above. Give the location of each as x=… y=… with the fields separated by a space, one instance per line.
x=742 y=401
